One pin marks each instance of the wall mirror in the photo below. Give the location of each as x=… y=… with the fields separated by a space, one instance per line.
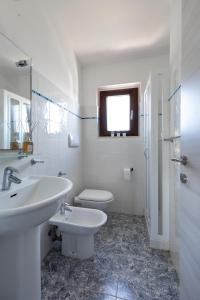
x=15 y=96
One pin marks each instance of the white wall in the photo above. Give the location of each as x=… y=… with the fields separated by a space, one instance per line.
x=5 y=84
x=50 y=139
x=50 y=136
x=105 y=158
x=56 y=75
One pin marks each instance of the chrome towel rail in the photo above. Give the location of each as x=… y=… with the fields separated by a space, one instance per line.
x=171 y=138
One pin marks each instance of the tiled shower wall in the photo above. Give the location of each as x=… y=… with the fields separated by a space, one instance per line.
x=50 y=136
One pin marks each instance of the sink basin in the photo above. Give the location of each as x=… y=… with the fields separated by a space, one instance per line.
x=22 y=209
x=31 y=203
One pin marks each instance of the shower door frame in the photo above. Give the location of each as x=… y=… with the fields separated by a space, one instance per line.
x=156 y=87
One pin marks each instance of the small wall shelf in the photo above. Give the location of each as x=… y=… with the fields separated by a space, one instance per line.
x=6 y=155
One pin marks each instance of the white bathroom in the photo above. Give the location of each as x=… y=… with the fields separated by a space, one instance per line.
x=99 y=160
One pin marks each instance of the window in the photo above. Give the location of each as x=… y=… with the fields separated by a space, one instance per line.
x=118 y=112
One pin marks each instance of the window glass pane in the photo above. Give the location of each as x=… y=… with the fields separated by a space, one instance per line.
x=118 y=113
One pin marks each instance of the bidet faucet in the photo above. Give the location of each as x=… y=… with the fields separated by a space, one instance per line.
x=8 y=178
x=64 y=207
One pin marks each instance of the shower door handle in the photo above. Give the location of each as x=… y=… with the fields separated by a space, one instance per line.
x=183 y=160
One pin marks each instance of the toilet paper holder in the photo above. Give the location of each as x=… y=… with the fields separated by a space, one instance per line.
x=128 y=173
x=131 y=169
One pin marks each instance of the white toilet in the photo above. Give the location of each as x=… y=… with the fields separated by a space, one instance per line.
x=78 y=227
x=98 y=199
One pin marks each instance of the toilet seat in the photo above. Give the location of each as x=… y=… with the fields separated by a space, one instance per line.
x=99 y=199
x=95 y=195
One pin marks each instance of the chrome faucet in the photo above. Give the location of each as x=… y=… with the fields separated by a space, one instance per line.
x=64 y=207
x=8 y=178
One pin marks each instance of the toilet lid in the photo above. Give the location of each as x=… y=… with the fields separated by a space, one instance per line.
x=95 y=195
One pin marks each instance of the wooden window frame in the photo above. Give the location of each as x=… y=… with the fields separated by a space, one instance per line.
x=134 y=105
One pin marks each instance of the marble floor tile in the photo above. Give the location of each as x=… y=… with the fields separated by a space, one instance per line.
x=126 y=290
x=123 y=267
x=95 y=296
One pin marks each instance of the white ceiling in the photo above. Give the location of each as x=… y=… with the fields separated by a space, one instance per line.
x=100 y=29
x=105 y=29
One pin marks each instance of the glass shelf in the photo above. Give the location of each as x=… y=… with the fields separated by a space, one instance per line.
x=4 y=155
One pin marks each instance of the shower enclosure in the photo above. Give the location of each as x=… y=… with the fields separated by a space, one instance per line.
x=156 y=131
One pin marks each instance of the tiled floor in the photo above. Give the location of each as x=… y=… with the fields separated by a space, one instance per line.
x=124 y=267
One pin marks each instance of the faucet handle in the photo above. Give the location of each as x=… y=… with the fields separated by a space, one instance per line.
x=36 y=161
x=14 y=179
x=60 y=174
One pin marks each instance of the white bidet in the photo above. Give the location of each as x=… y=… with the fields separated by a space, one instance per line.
x=78 y=228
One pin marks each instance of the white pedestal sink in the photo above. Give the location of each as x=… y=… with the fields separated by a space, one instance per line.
x=22 y=210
